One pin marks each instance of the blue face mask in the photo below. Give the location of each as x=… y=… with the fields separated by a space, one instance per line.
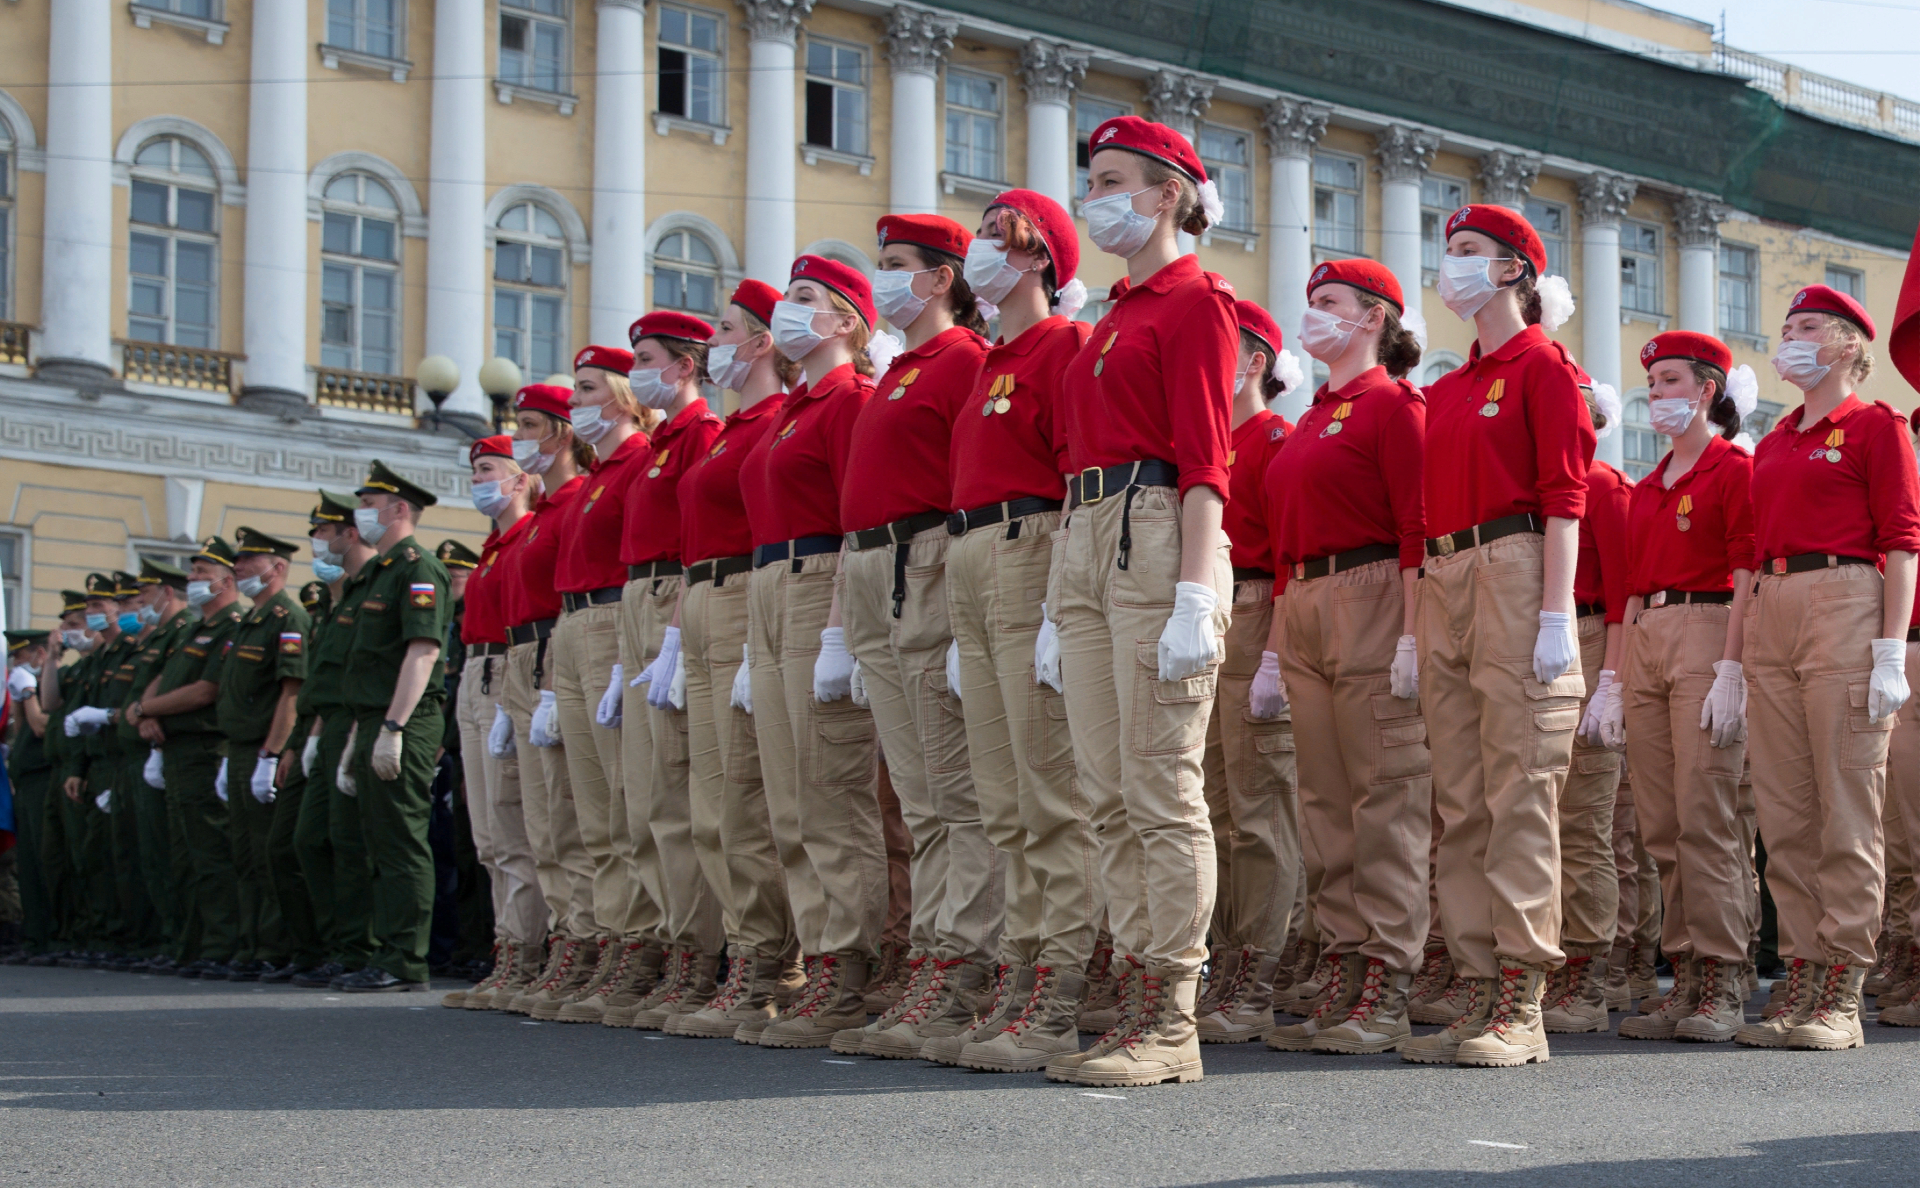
x=148 y=616
x=129 y=622
x=327 y=571
x=96 y=622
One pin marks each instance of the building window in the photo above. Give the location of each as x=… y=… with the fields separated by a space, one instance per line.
x=837 y=96
x=1848 y=281
x=206 y=10
x=1336 y=204
x=973 y=124
x=1088 y=114
x=1761 y=419
x=1228 y=155
x=171 y=246
x=1640 y=268
x=534 y=43
x=1435 y=364
x=359 y=279
x=691 y=74
x=368 y=26
x=1439 y=198
x=1640 y=445
x=530 y=290
x=1550 y=220
x=13 y=586
x=686 y=274
x=1739 y=290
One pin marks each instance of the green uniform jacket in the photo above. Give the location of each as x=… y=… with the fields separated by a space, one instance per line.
x=147 y=662
x=325 y=690
x=268 y=647
x=198 y=659
x=406 y=599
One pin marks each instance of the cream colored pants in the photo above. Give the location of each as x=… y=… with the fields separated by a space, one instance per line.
x=1903 y=811
x=586 y=646
x=494 y=807
x=553 y=828
x=1589 y=884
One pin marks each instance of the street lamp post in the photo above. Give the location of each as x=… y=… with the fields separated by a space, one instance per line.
x=499 y=379
x=438 y=376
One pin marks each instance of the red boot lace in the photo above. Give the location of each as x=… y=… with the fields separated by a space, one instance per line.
x=1335 y=988
x=1127 y=1022
x=1237 y=984
x=1043 y=983
x=909 y=996
x=1577 y=970
x=1152 y=993
x=619 y=972
x=561 y=968
x=1830 y=991
x=1425 y=982
x=1371 y=987
x=1002 y=982
x=930 y=997
x=1708 y=991
x=816 y=992
x=1506 y=1007
x=733 y=988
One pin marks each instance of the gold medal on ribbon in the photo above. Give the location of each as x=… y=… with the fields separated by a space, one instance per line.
x=1492 y=407
x=1002 y=405
x=1100 y=364
x=1835 y=440
x=1681 y=521
x=906 y=381
x=1341 y=412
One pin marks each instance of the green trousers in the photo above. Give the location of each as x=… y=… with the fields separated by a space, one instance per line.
x=203 y=855
x=249 y=825
x=156 y=859
x=137 y=915
x=56 y=865
x=290 y=891
x=333 y=854
x=29 y=833
x=105 y=931
x=394 y=816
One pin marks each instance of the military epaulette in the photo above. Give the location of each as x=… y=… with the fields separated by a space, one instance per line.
x=386 y=560
x=413 y=554
x=279 y=612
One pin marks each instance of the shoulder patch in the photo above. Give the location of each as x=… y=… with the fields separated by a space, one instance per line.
x=422 y=594
x=1221 y=284
x=413 y=554
x=291 y=643
x=279 y=612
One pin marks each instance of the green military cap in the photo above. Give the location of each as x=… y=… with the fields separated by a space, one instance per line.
x=101 y=585
x=126 y=584
x=453 y=553
x=384 y=481
x=252 y=540
x=159 y=573
x=312 y=593
x=16 y=640
x=215 y=550
x=333 y=508
x=72 y=600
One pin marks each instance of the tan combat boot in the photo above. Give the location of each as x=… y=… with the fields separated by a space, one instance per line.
x=502 y=955
x=1898 y=963
x=591 y=1007
x=1247 y=1012
x=889 y=979
x=1306 y=994
x=673 y=960
x=560 y=966
x=920 y=971
x=1795 y=1005
x=836 y=1006
x=1619 y=997
x=1582 y=1004
x=1100 y=1008
x=1436 y=974
x=1283 y=972
x=815 y=974
x=1041 y=1028
x=1834 y=1023
x=526 y=963
x=1720 y=1003
x=1442 y=1046
x=1889 y=947
x=1164 y=1046
x=1642 y=983
x=724 y=994
x=1514 y=1034
x=958 y=991
x=1445 y=1009
x=592 y=966
x=1012 y=989
x=1675 y=1005
x=1336 y=1001
x=641 y=977
x=1223 y=971
x=692 y=990
x=1901 y=996
x=1127 y=972
x=1378 y=1020
x=747 y=994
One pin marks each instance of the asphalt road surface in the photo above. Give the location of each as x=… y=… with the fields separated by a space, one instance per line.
x=114 y=1079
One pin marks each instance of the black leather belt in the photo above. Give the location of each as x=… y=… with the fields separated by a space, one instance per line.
x=1243 y=574
x=1321 y=567
x=962 y=522
x=1479 y=534
x=1582 y=609
x=897 y=533
x=1913 y=635
x=653 y=569
x=486 y=649
x=718 y=569
x=800 y=546
x=1095 y=483
x=585 y=599
x=1803 y=562
x=1661 y=598
x=528 y=632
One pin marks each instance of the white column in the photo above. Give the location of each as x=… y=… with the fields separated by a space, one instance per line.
x=77 y=271
x=1051 y=73
x=1180 y=101
x=1506 y=178
x=1604 y=198
x=618 y=278
x=917 y=42
x=1405 y=156
x=457 y=201
x=771 y=135
x=1293 y=127
x=276 y=268
x=1697 y=218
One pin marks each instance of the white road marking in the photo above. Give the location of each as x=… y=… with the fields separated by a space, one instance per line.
x=1107 y=1096
x=839 y=1062
x=1502 y=1146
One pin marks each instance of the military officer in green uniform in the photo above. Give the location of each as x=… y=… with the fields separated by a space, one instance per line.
x=162 y=610
x=139 y=924
x=395 y=687
x=87 y=777
x=29 y=772
x=57 y=818
x=290 y=890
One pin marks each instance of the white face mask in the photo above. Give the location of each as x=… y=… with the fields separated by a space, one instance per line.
x=793 y=332
x=1671 y=414
x=649 y=389
x=1324 y=335
x=531 y=460
x=727 y=371
x=149 y=615
x=32 y=669
x=327 y=571
x=252 y=586
x=367 y=520
x=894 y=298
x=323 y=549
x=488 y=499
x=199 y=594
x=1798 y=363
x=988 y=274
x=1115 y=227
x=1465 y=284
x=80 y=641
x=589 y=425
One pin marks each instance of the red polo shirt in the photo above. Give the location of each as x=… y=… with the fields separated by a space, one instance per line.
x=526 y=566
x=1531 y=456
x=792 y=477
x=897 y=460
x=1717 y=498
x=1600 y=568
x=1866 y=504
x=1255 y=442
x=652 y=520
x=1155 y=379
x=713 y=514
x=1333 y=492
x=483 y=617
x=1021 y=452
x=591 y=526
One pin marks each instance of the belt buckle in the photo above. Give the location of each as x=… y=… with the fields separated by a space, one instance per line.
x=1657 y=599
x=1099 y=484
x=1778 y=565
x=1445 y=545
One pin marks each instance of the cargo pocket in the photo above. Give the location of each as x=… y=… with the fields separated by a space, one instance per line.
x=1555 y=711
x=842 y=747
x=1399 y=740
x=1169 y=717
x=678 y=745
x=1021 y=571
x=1049 y=742
x=742 y=750
x=943 y=726
x=808 y=598
x=1274 y=760
x=1866 y=742
x=923 y=621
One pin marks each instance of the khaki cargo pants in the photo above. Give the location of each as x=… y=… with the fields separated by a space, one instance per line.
x=1589 y=884
x=494 y=807
x=585 y=647
x=560 y=859
x=1903 y=811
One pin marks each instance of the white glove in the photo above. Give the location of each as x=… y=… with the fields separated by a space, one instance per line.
x=342 y=774
x=1268 y=698
x=677 y=687
x=309 y=754
x=833 y=669
x=1613 y=719
x=1596 y=706
x=220 y=782
x=263 y=773
x=1187 y=643
x=86 y=719
x=1554 y=650
x=500 y=734
x=385 y=759
x=545 y=730
x=742 y=698
x=1725 y=710
x=660 y=672
x=953 y=669
x=1403 y=679
x=1046 y=654
x=152 y=772
x=660 y=692
x=104 y=801
x=1887 y=689
x=20 y=682
x=857 y=687
x=608 y=712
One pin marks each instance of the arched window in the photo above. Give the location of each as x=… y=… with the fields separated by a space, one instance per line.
x=1641 y=447
x=7 y=160
x=686 y=274
x=530 y=290
x=172 y=249
x=359 y=276
x=1435 y=365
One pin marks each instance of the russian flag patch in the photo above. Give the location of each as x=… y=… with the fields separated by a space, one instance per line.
x=422 y=594
x=291 y=643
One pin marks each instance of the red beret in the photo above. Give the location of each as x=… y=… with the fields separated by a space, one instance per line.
x=1505 y=226
x=1687 y=344
x=1260 y=324
x=1822 y=299
x=615 y=359
x=1370 y=276
x=1053 y=223
x=497 y=446
x=667 y=324
x=757 y=298
x=929 y=231
x=843 y=279
x=547 y=398
x=1149 y=140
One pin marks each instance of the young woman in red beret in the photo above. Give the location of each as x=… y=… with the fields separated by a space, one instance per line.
x=1138 y=597
x=816 y=744
x=1344 y=500
x=1834 y=490
x=893 y=604
x=1509 y=442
